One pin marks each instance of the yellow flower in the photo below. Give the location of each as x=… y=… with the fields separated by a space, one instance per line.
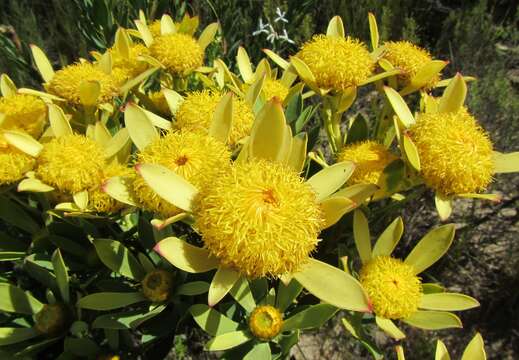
x=409 y=58
x=455 y=152
x=13 y=165
x=392 y=286
x=100 y=201
x=274 y=88
x=260 y=218
x=265 y=322
x=197 y=110
x=159 y=100
x=370 y=159
x=65 y=82
x=337 y=63
x=154 y=28
x=23 y=112
x=71 y=163
x=179 y=53
x=198 y=158
x=124 y=68
x=157 y=285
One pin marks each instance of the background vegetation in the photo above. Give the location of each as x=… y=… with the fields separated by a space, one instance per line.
x=478 y=37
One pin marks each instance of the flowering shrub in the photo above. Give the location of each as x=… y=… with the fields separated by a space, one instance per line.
x=147 y=190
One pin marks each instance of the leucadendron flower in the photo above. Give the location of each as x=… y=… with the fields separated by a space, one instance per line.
x=395 y=290
x=260 y=218
x=444 y=144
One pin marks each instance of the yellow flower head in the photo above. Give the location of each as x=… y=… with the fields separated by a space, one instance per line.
x=455 y=152
x=100 y=201
x=52 y=319
x=123 y=68
x=370 y=159
x=392 y=287
x=71 y=163
x=154 y=28
x=159 y=100
x=179 y=53
x=259 y=218
x=265 y=322
x=157 y=285
x=23 y=112
x=274 y=88
x=197 y=158
x=13 y=165
x=65 y=82
x=197 y=110
x=409 y=58
x=337 y=63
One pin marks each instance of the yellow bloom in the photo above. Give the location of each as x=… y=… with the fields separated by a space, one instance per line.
x=197 y=110
x=100 y=201
x=392 y=286
x=409 y=58
x=197 y=158
x=157 y=285
x=274 y=88
x=154 y=28
x=159 y=100
x=65 y=82
x=260 y=218
x=455 y=152
x=13 y=165
x=23 y=112
x=179 y=53
x=71 y=163
x=370 y=159
x=337 y=63
x=124 y=68
x=265 y=322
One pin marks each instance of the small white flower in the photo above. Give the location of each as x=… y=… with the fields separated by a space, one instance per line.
x=280 y=16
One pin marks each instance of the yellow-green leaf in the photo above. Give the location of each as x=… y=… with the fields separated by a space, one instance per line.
x=223 y=280
x=145 y=32
x=358 y=193
x=335 y=27
x=185 y=256
x=7 y=86
x=110 y=300
x=227 y=340
x=388 y=240
x=118 y=142
x=33 y=185
x=443 y=206
x=381 y=76
x=303 y=70
x=475 y=350
x=207 y=36
x=433 y=320
x=254 y=91
x=282 y=63
x=141 y=130
x=431 y=248
x=167 y=26
x=9 y=335
x=297 y=157
x=157 y=120
x=389 y=328
x=130 y=84
x=447 y=301
x=101 y=133
x=222 y=118
x=242 y=293
x=15 y=300
x=340 y=289
x=168 y=185
x=361 y=235
x=81 y=199
x=373 y=31
x=506 y=163
x=334 y=208
x=213 y=322
x=441 y=351
x=42 y=63
x=23 y=142
x=173 y=99
x=89 y=91
x=122 y=43
x=244 y=65
x=105 y=62
x=399 y=106
x=454 y=95
x=268 y=132
x=62 y=278
x=411 y=152
x=58 y=122
x=399 y=352
x=331 y=178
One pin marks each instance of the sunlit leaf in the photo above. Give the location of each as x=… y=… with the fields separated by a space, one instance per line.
x=185 y=256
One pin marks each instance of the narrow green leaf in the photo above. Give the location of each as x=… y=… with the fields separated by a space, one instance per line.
x=193 y=288
x=58 y=121
x=10 y=336
x=287 y=294
x=61 y=275
x=433 y=320
x=42 y=63
x=207 y=35
x=82 y=347
x=244 y=65
x=223 y=281
x=211 y=321
x=126 y=320
x=119 y=259
x=361 y=235
x=241 y=292
x=7 y=86
x=388 y=240
x=399 y=106
x=15 y=300
x=358 y=193
x=331 y=178
x=443 y=206
x=227 y=340
x=373 y=31
x=358 y=130
x=260 y=351
x=297 y=157
x=447 y=302
x=23 y=142
x=389 y=328
x=120 y=189
x=441 y=351
x=313 y=317
x=110 y=300
x=185 y=256
x=411 y=152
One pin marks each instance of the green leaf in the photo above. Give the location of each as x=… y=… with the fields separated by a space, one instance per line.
x=441 y=351
x=33 y=185
x=286 y=294
x=141 y=130
x=340 y=289
x=10 y=336
x=211 y=321
x=207 y=35
x=119 y=188
x=42 y=63
x=331 y=178
x=431 y=288
x=193 y=288
x=399 y=106
x=89 y=91
x=82 y=347
x=362 y=236
x=454 y=95
x=12 y=255
x=433 y=320
x=15 y=300
x=388 y=240
x=475 y=350
x=506 y=163
x=373 y=31
x=241 y=292
x=119 y=259
x=15 y=215
x=185 y=256
x=125 y=320
x=304 y=117
x=334 y=207
x=358 y=130
x=313 y=317
x=294 y=108
x=244 y=65
x=411 y=152
x=431 y=248
x=447 y=301
x=260 y=351
x=223 y=281
x=227 y=340
x=7 y=86
x=61 y=275
x=389 y=328
x=110 y=300
x=443 y=206
x=335 y=27
x=297 y=157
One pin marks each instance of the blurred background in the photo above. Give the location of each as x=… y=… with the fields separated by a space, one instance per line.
x=478 y=38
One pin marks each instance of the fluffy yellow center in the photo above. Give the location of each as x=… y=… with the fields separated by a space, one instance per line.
x=265 y=322
x=124 y=68
x=370 y=159
x=392 y=287
x=157 y=285
x=23 y=112
x=179 y=53
x=196 y=157
x=197 y=111
x=71 y=163
x=455 y=152
x=274 y=88
x=259 y=218
x=337 y=63
x=13 y=165
x=65 y=82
